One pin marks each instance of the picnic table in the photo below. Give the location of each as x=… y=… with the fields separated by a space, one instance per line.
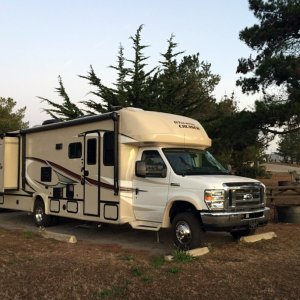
x=283 y=192
x=285 y=202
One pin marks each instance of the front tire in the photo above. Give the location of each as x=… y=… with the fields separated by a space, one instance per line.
x=39 y=216
x=186 y=231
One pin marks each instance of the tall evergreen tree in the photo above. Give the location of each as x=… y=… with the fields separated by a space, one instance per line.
x=108 y=98
x=182 y=86
x=11 y=119
x=132 y=84
x=137 y=75
x=235 y=140
x=176 y=87
x=67 y=110
x=185 y=87
x=179 y=84
x=289 y=147
x=276 y=40
x=122 y=73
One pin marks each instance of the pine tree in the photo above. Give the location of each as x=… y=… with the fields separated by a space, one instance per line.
x=185 y=87
x=65 y=111
x=132 y=84
x=276 y=40
x=10 y=118
x=108 y=97
x=289 y=147
x=122 y=73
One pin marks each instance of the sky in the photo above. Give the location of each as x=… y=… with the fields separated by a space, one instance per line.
x=40 y=40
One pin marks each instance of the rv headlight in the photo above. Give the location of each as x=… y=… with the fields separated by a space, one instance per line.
x=264 y=194
x=214 y=199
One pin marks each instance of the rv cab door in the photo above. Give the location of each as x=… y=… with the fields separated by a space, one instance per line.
x=151 y=189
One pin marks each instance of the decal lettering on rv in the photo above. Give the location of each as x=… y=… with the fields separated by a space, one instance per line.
x=186 y=125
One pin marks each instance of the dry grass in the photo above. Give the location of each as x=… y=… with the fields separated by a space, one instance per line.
x=35 y=268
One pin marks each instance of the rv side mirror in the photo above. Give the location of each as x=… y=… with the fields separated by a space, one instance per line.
x=140 y=169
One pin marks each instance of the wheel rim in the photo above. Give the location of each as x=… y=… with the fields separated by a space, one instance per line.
x=39 y=214
x=183 y=233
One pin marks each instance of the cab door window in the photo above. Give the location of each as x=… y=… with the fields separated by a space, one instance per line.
x=155 y=166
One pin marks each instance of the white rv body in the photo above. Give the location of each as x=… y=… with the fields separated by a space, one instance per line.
x=121 y=167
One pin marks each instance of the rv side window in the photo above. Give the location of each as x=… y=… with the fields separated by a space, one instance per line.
x=46 y=174
x=75 y=150
x=155 y=166
x=91 y=152
x=108 y=149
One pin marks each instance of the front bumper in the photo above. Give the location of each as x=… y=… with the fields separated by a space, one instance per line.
x=229 y=221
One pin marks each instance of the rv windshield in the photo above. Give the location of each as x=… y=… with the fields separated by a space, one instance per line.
x=193 y=162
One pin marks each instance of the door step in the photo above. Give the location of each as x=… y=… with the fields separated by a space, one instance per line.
x=152 y=226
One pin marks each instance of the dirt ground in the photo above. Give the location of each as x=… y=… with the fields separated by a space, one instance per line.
x=32 y=267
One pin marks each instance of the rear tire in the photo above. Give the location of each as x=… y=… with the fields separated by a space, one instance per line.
x=39 y=216
x=240 y=233
x=186 y=231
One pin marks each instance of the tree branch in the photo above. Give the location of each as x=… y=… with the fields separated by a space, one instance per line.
x=277 y=131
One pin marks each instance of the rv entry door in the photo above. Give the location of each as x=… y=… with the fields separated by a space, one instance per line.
x=91 y=174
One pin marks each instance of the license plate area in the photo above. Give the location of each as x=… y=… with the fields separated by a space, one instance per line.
x=253 y=224
x=253 y=215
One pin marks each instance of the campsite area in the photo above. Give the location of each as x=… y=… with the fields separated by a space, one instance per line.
x=133 y=266
x=32 y=267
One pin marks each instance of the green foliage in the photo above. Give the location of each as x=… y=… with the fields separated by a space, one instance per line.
x=236 y=140
x=157 y=261
x=275 y=68
x=175 y=87
x=127 y=257
x=185 y=87
x=137 y=271
x=113 y=292
x=147 y=279
x=173 y=270
x=221 y=128
x=111 y=101
x=182 y=256
x=11 y=119
x=133 y=84
x=67 y=110
x=27 y=234
x=289 y=147
x=252 y=171
x=138 y=78
x=179 y=84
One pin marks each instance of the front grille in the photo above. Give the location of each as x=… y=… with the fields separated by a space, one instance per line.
x=244 y=196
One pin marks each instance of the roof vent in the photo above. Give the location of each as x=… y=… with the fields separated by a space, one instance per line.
x=51 y=121
x=134 y=108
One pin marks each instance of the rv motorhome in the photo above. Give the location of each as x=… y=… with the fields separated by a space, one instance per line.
x=148 y=169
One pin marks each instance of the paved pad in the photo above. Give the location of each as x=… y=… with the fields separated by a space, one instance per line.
x=107 y=234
